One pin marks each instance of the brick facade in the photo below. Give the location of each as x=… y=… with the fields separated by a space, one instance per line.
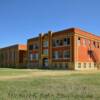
x=72 y=48
x=13 y=56
x=67 y=49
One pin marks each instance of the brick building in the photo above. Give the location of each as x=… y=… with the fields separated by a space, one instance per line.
x=66 y=49
x=13 y=56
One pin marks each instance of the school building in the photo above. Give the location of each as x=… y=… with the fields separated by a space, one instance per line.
x=13 y=56
x=72 y=48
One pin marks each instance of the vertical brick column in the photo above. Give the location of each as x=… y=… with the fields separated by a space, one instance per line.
x=50 y=48
x=75 y=51
x=40 y=49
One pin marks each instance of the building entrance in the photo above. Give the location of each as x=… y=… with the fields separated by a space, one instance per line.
x=45 y=62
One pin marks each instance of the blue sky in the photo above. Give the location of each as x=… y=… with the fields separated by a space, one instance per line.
x=23 y=19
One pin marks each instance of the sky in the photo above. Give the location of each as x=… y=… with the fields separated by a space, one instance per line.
x=24 y=19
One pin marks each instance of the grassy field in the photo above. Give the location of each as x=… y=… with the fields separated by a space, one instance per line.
x=22 y=84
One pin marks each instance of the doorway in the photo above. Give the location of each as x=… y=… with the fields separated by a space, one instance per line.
x=45 y=62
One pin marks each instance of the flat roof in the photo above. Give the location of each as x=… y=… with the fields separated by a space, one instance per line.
x=76 y=30
x=16 y=45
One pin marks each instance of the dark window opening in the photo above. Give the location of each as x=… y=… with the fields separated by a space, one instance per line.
x=79 y=41
x=79 y=38
x=94 y=43
x=66 y=41
x=30 y=47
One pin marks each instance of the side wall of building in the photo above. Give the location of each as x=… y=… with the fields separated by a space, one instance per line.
x=87 y=51
x=9 y=56
x=12 y=57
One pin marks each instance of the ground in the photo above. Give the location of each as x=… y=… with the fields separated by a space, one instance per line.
x=28 y=84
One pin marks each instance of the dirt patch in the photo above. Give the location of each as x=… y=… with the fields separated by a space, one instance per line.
x=41 y=73
x=13 y=77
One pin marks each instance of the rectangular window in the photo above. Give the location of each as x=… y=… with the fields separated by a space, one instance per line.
x=57 y=42
x=35 y=46
x=57 y=55
x=60 y=42
x=37 y=56
x=98 y=44
x=79 y=41
x=66 y=41
x=84 y=42
x=31 y=57
x=79 y=65
x=84 y=65
x=89 y=65
x=30 y=47
x=34 y=56
x=88 y=41
x=45 y=52
x=66 y=54
x=94 y=44
x=45 y=43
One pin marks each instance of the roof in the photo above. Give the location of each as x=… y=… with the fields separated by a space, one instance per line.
x=74 y=30
x=20 y=46
x=34 y=38
x=79 y=31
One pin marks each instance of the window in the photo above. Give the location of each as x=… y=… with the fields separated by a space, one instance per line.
x=98 y=45
x=60 y=42
x=57 y=55
x=90 y=53
x=30 y=47
x=67 y=54
x=45 y=62
x=45 y=52
x=89 y=65
x=66 y=65
x=94 y=44
x=89 y=42
x=95 y=64
x=45 y=43
x=79 y=41
x=34 y=56
x=31 y=57
x=57 y=42
x=84 y=42
x=84 y=65
x=66 y=41
x=35 y=46
x=60 y=65
x=79 y=65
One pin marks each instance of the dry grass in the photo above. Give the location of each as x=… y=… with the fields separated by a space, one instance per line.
x=29 y=73
x=49 y=85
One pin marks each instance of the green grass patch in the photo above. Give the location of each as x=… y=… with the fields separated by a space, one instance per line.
x=73 y=86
